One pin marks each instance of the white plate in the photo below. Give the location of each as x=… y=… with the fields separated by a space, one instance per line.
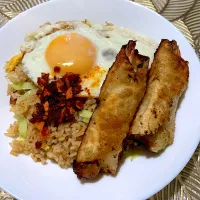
x=138 y=179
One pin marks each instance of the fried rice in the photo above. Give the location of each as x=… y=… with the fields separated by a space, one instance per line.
x=62 y=144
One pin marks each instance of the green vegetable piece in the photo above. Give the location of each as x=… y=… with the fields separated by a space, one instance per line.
x=22 y=125
x=85 y=114
x=23 y=86
x=86 y=120
x=28 y=86
x=16 y=86
x=27 y=94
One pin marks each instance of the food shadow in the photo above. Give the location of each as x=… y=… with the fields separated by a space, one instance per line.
x=131 y=153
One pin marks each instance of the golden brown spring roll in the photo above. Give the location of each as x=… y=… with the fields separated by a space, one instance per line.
x=120 y=96
x=154 y=123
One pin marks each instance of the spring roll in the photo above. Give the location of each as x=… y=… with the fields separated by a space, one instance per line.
x=120 y=96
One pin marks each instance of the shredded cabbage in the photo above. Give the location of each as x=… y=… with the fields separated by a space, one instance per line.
x=28 y=86
x=22 y=125
x=17 y=86
x=85 y=114
x=23 y=86
x=26 y=94
x=86 y=120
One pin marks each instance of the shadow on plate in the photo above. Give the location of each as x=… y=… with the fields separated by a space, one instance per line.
x=131 y=153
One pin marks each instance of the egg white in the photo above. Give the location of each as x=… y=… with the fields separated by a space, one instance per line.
x=104 y=38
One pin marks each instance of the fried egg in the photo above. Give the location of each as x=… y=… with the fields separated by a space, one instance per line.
x=78 y=47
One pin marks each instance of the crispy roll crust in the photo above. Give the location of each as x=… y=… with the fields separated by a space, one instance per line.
x=154 y=123
x=120 y=96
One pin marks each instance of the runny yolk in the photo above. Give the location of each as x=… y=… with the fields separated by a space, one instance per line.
x=72 y=52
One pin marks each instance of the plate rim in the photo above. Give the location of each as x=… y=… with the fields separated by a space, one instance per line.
x=21 y=15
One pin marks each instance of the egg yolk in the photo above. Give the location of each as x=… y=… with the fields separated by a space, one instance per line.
x=71 y=52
